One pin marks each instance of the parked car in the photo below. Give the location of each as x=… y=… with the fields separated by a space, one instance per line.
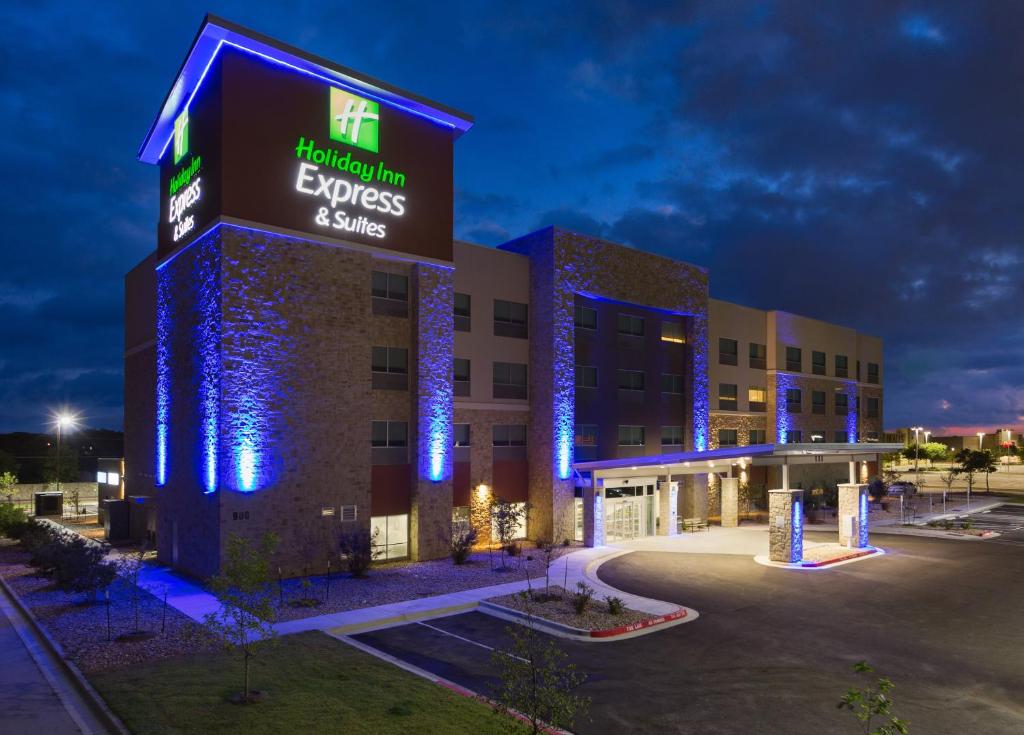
x=902 y=487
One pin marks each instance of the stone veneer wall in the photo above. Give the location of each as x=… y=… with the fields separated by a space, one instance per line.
x=562 y=264
x=432 y=291
x=805 y=421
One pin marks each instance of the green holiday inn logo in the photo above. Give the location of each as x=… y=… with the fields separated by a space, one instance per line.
x=354 y=120
x=180 y=136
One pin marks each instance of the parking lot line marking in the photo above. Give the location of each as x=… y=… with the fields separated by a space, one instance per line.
x=467 y=640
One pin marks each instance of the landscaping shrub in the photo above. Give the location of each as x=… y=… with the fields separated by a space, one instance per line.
x=82 y=566
x=514 y=549
x=12 y=520
x=357 y=550
x=615 y=605
x=581 y=597
x=462 y=543
x=966 y=525
x=35 y=534
x=947 y=524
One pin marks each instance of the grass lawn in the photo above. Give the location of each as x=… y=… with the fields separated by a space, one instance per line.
x=315 y=684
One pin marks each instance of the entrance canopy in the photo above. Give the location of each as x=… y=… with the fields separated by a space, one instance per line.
x=722 y=460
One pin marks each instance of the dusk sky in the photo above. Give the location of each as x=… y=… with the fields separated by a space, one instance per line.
x=857 y=162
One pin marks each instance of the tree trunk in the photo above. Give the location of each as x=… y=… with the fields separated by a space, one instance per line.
x=245 y=691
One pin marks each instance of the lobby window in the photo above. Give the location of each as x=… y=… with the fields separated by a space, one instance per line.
x=462 y=312
x=758 y=356
x=671 y=436
x=586 y=376
x=757 y=399
x=586 y=435
x=510 y=319
x=794 y=359
x=871 y=436
x=818 y=401
x=842 y=404
x=509 y=435
x=631 y=436
x=671 y=383
x=585 y=317
x=872 y=372
x=389 y=368
x=872 y=411
x=389 y=434
x=727 y=397
x=840 y=437
x=460 y=435
x=509 y=380
x=672 y=332
x=818 y=437
x=727 y=438
x=630 y=379
x=818 y=362
x=630 y=325
x=390 y=286
x=795 y=437
x=461 y=376
x=842 y=366
x=757 y=436
x=728 y=349
x=794 y=399
x=390 y=536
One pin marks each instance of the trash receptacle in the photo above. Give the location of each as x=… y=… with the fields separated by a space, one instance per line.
x=49 y=504
x=115 y=520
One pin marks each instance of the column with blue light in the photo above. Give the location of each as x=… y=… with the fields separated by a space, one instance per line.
x=850 y=388
x=698 y=339
x=163 y=373
x=853 y=515
x=783 y=383
x=786 y=526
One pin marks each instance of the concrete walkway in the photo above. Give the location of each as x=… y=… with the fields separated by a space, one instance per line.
x=35 y=696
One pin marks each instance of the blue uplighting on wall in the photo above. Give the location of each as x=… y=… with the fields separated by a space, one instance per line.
x=851 y=412
x=783 y=382
x=434 y=366
x=863 y=525
x=206 y=344
x=797 y=549
x=563 y=395
x=163 y=373
x=698 y=340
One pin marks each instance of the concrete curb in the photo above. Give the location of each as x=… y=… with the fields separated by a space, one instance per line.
x=403 y=619
x=818 y=566
x=100 y=710
x=561 y=630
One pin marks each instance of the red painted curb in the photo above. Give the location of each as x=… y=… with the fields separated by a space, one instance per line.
x=650 y=622
x=855 y=555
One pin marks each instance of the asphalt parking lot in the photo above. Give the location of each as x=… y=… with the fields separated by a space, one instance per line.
x=772 y=649
x=1007 y=519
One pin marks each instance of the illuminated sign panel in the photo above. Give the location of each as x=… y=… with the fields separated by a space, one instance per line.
x=263 y=143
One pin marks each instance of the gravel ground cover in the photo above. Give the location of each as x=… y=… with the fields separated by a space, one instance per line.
x=400 y=581
x=80 y=624
x=827 y=552
x=560 y=610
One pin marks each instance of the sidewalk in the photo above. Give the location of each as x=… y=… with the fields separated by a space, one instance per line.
x=580 y=565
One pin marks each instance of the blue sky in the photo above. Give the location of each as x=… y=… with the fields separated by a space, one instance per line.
x=856 y=162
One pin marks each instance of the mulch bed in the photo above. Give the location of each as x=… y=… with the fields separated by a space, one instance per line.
x=79 y=624
x=391 y=582
x=558 y=608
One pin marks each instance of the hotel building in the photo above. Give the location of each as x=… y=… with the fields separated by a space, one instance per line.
x=293 y=367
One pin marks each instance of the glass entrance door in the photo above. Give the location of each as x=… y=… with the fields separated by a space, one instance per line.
x=624 y=519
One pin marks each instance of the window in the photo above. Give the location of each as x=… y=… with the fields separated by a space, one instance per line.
x=460 y=434
x=872 y=372
x=727 y=438
x=630 y=325
x=757 y=398
x=671 y=436
x=794 y=359
x=818 y=438
x=818 y=362
x=728 y=349
x=758 y=356
x=101 y=477
x=388 y=434
x=872 y=407
x=461 y=370
x=757 y=436
x=390 y=536
x=509 y=380
x=795 y=437
x=840 y=437
x=462 y=310
x=586 y=317
x=818 y=401
x=842 y=404
x=586 y=376
x=586 y=435
x=510 y=319
x=726 y=397
x=672 y=332
x=671 y=383
x=390 y=360
x=630 y=379
x=842 y=366
x=871 y=436
x=793 y=400
x=113 y=478
x=390 y=286
x=631 y=436
x=513 y=435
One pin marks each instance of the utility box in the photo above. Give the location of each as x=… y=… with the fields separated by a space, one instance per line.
x=49 y=504
x=115 y=520
x=142 y=519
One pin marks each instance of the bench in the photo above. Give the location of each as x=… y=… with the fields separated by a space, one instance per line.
x=695 y=524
